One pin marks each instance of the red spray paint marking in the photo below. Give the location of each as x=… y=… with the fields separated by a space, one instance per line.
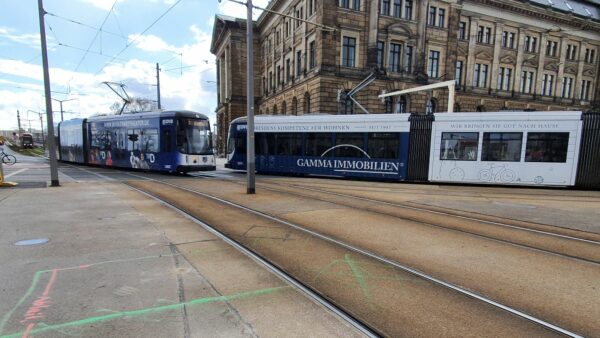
x=35 y=312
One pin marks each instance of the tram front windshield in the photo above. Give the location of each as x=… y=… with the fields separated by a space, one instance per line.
x=193 y=136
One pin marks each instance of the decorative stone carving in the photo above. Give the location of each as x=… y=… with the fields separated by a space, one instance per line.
x=552 y=66
x=509 y=59
x=589 y=72
x=531 y=62
x=399 y=29
x=570 y=70
x=483 y=55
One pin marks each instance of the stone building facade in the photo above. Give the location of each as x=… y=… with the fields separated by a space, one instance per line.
x=504 y=54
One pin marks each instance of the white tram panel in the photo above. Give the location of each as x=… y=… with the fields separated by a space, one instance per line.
x=325 y=123
x=520 y=169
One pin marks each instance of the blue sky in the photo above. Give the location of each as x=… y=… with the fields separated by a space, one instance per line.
x=179 y=41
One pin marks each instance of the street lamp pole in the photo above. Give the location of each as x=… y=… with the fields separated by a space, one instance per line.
x=250 y=159
x=49 y=118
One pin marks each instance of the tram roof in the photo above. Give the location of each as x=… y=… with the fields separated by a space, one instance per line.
x=167 y=113
x=324 y=118
x=510 y=116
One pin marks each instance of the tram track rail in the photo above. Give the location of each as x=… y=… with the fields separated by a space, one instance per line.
x=348 y=318
x=564 y=245
x=366 y=253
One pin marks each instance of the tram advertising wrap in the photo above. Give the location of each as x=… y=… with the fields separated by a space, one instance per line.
x=501 y=148
x=171 y=141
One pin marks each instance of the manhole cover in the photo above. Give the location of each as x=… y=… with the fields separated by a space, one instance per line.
x=35 y=241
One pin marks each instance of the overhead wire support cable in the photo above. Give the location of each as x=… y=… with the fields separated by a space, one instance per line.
x=324 y=27
x=86 y=25
x=138 y=36
x=95 y=36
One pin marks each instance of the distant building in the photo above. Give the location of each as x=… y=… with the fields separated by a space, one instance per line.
x=504 y=54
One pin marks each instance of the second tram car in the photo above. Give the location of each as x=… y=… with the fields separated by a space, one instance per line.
x=512 y=148
x=170 y=141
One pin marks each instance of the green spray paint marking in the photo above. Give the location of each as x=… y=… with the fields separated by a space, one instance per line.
x=150 y=310
x=36 y=278
x=34 y=282
x=362 y=281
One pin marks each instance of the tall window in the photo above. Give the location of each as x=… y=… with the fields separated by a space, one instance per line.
x=530 y=44
x=589 y=55
x=480 y=31
x=480 y=75
x=278 y=76
x=271 y=80
x=397 y=8
x=567 y=87
x=434 y=64
x=462 y=30
x=356 y=5
x=504 y=77
x=430 y=107
x=508 y=39
x=380 y=53
x=585 y=89
x=408 y=9
x=441 y=17
x=459 y=71
x=345 y=3
x=408 y=56
x=488 y=35
x=527 y=82
x=350 y=4
x=288 y=70
x=298 y=63
x=394 y=59
x=432 y=14
x=312 y=55
x=547 y=84
x=385 y=7
x=551 y=48
x=348 y=52
x=571 y=52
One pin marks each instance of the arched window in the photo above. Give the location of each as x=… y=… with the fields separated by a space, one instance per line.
x=275 y=110
x=294 y=106
x=480 y=109
x=306 y=103
x=430 y=107
x=400 y=106
x=283 y=108
x=456 y=107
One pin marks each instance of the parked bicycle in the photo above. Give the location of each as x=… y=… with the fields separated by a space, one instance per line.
x=7 y=159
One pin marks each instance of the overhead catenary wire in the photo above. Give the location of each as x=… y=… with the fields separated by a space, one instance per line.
x=95 y=37
x=138 y=36
x=86 y=25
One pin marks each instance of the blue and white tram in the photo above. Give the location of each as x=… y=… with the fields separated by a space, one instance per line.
x=502 y=148
x=368 y=146
x=530 y=148
x=170 y=141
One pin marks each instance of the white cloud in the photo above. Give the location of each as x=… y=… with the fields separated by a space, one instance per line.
x=184 y=89
x=239 y=11
x=105 y=5
x=29 y=39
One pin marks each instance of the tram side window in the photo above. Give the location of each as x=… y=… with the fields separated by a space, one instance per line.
x=349 y=145
x=260 y=144
x=271 y=140
x=317 y=144
x=459 y=146
x=133 y=139
x=384 y=145
x=504 y=147
x=149 y=142
x=547 y=147
x=289 y=144
x=240 y=144
x=167 y=143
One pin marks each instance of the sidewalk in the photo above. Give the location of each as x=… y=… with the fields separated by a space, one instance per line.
x=118 y=263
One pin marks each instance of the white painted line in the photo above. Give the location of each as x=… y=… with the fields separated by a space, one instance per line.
x=15 y=172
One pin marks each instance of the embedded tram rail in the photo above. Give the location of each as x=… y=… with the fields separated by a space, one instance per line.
x=565 y=242
x=398 y=295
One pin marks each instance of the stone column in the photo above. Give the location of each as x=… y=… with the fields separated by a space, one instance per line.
x=542 y=59
x=519 y=63
x=577 y=85
x=421 y=57
x=373 y=17
x=452 y=45
x=558 y=87
x=471 y=52
x=498 y=29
